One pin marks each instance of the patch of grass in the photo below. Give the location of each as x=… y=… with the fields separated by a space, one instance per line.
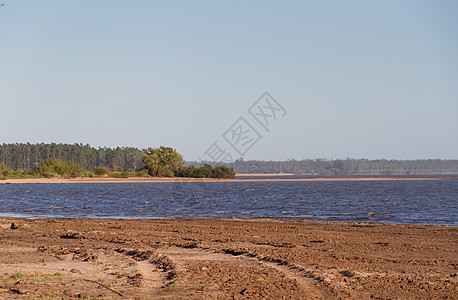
x=347 y=273
x=22 y=176
x=58 y=274
x=123 y=174
x=88 y=297
x=44 y=298
x=17 y=275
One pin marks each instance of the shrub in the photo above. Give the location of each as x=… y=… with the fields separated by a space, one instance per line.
x=207 y=171
x=190 y=171
x=123 y=174
x=53 y=167
x=4 y=169
x=223 y=172
x=100 y=171
x=142 y=173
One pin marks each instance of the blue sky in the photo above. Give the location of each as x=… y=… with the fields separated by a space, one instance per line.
x=360 y=79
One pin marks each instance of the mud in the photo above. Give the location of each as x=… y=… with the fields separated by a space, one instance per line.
x=225 y=259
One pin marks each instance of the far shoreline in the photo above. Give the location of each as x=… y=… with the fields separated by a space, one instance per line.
x=189 y=180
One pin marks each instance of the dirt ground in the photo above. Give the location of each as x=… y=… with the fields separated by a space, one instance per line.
x=225 y=259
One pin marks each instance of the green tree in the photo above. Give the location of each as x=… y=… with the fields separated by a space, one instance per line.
x=163 y=161
x=100 y=171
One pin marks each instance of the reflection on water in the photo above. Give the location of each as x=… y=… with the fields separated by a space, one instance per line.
x=419 y=202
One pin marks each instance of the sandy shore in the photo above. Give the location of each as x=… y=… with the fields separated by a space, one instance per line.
x=225 y=259
x=181 y=179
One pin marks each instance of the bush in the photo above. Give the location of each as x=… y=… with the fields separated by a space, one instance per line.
x=4 y=169
x=207 y=171
x=142 y=173
x=223 y=172
x=100 y=171
x=18 y=173
x=53 y=167
x=123 y=174
x=190 y=171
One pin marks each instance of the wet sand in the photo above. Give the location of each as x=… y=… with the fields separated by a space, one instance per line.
x=225 y=259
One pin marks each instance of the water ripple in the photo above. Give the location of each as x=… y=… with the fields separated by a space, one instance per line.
x=404 y=202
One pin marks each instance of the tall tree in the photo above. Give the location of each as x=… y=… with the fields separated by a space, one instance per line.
x=163 y=161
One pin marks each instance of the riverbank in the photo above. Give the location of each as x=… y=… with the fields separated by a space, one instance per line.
x=225 y=258
x=185 y=179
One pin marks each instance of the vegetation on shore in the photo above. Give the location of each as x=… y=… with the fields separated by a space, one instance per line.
x=157 y=162
x=167 y=162
x=21 y=159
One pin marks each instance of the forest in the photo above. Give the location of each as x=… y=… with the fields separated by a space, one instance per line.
x=31 y=156
x=348 y=167
x=28 y=156
x=64 y=160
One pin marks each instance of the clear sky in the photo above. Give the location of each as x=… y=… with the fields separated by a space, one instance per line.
x=360 y=79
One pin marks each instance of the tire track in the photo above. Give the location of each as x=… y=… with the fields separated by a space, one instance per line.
x=182 y=257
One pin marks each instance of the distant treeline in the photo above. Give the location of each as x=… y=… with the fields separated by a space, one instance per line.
x=29 y=156
x=344 y=167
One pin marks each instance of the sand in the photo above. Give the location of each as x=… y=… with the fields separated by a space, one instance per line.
x=182 y=179
x=225 y=259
